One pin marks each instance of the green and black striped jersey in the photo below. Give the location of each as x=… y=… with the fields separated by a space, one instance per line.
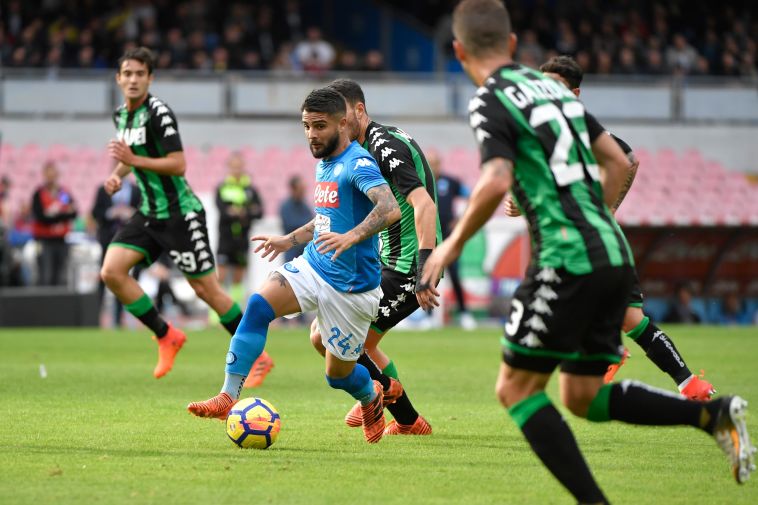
x=405 y=168
x=151 y=130
x=537 y=123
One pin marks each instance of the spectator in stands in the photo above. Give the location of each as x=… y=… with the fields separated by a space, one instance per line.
x=373 y=61
x=314 y=53
x=239 y=205
x=54 y=211
x=110 y=212
x=733 y=311
x=449 y=191
x=347 y=62
x=294 y=213
x=680 y=310
x=655 y=64
x=627 y=64
x=294 y=20
x=285 y=60
x=681 y=56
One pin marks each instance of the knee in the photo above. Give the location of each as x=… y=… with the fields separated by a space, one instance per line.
x=259 y=312
x=504 y=391
x=632 y=317
x=578 y=404
x=111 y=275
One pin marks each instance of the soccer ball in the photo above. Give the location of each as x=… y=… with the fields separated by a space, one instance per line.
x=253 y=423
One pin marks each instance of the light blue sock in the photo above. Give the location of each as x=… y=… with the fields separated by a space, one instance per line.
x=358 y=384
x=233 y=385
x=247 y=343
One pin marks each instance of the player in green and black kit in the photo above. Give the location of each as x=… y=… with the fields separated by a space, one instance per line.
x=537 y=141
x=657 y=345
x=170 y=218
x=405 y=246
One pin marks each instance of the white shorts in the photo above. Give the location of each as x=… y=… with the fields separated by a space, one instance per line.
x=343 y=318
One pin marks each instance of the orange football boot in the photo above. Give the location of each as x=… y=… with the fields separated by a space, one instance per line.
x=698 y=388
x=373 y=416
x=168 y=347
x=354 y=418
x=613 y=368
x=420 y=427
x=218 y=406
x=259 y=370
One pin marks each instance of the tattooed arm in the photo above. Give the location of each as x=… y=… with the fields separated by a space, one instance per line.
x=302 y=235
x=385 y=212
x=275 y=244
x=631 y=173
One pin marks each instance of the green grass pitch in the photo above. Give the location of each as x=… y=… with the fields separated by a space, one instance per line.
x=100 y=429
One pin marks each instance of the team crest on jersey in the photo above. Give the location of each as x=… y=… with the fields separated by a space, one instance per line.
x=142 y=118
x=327 y=195
x=338 y=168
x=133 y=136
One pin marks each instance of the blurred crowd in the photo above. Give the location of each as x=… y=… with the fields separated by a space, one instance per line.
x=685 y=37
x=195 y=34
x=697 y=37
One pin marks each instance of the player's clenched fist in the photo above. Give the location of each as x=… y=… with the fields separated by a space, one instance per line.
x=511 y=210
x=112 y=184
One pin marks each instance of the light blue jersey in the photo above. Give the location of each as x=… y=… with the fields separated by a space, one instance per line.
x=341 y=203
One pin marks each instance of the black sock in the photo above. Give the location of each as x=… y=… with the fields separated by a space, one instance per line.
x=661 y=350
x=637 y=403
x=231 y=326
x=231 y=319
x=374 y=371
x=552 y=441
x=402 y=410
x=144 y=310
x=153 y=320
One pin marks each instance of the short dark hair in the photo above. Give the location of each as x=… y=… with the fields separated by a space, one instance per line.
x=326 y=100
x=482 y=26
x=566 y=67
x=141 y=54
x=350 y=89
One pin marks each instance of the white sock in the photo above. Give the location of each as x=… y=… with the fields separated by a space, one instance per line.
x=233 y=385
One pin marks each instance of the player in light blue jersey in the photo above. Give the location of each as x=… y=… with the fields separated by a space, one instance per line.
x=338 y=275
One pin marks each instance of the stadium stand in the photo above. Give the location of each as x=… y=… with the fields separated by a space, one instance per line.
x=671 y=189
x=645 y=37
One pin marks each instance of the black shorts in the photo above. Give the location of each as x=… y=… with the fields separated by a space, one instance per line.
x=233 y=249
x=398 y=300
x=569 y=320
x=635 y=295
x=184 y=238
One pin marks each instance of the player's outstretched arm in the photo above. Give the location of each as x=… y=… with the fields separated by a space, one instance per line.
x=613 y=165
x=385 y=212
x=172 y=164
x=274 y=245
x=495 y=182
